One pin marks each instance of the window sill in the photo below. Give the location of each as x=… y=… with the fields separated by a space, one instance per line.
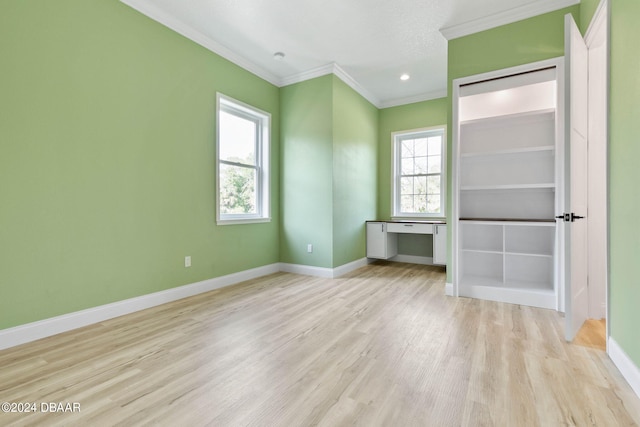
x=242 y=221
x=418 y=218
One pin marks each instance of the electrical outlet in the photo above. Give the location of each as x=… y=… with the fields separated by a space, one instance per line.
x=309 y=248
x=187 y=261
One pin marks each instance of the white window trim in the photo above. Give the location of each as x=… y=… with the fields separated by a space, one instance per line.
x=394 y=175
x=263 y=156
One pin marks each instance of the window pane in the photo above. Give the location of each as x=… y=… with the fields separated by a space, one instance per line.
x=435 y=164
x=237 y=190
x=420 y=147
x=435 y=146
x=420 y=185
x=237 y=139
x=433 y=185
x=420 y=204
x=406 y=186
x=406 y=203
x=407 y=166
x=433 y=205
x=421 y=165
x=407 y=148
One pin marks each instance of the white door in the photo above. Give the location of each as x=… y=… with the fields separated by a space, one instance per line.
x=576 y=185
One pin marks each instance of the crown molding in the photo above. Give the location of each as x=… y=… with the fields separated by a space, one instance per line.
x=151 y=11
x=353 y=84
x=336 y=70
x=507 y=17
x=306 y=75
x=147 y=8
x=413 y=99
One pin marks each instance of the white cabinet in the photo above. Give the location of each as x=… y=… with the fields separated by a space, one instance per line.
x=382 y=240
x=380 y=244
x=440 y=244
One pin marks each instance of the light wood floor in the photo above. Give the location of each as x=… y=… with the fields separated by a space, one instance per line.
x=593 y=333
x=381 y=346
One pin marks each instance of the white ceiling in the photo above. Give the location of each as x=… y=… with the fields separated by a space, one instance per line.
x=368 y=43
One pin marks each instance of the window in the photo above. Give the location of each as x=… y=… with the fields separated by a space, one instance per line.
x=418 y=173
x=243 y=162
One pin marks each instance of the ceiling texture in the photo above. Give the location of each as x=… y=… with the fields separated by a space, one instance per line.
x=369 y=44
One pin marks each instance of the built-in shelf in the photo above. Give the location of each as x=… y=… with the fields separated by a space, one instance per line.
x=508 y=169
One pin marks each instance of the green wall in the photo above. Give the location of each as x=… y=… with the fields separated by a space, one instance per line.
x=107 y=124
x=624 y=152
x=307 y=172
x=401 y=118
x=355 y=156
x=530 y=40
x=587 y=10
x=328 y=176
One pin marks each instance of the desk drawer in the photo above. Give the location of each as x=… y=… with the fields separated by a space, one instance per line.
x=413 y=228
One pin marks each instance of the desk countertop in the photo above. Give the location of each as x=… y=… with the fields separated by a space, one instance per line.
x=410 y=221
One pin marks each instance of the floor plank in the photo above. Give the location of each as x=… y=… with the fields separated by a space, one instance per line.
x=380 y=346
x=592 y=333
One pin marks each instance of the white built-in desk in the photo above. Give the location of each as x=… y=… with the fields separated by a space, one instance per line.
x=382 y=238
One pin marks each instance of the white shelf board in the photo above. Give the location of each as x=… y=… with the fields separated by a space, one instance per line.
x=523 y=150
x=482 y=251
x=535 y=114
x=529 y=254
x=483 y=288
x=508 y=187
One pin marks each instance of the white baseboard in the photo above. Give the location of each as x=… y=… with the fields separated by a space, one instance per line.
x=449 y=290
x=349 y=267
x=533 y=298
x=55 y=325
x=330 y=273
x=22 y=334
x=307 y=270
x=625 y=365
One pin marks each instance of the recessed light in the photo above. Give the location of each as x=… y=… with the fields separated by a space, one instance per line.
x=278 y=56
x=405 y=77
